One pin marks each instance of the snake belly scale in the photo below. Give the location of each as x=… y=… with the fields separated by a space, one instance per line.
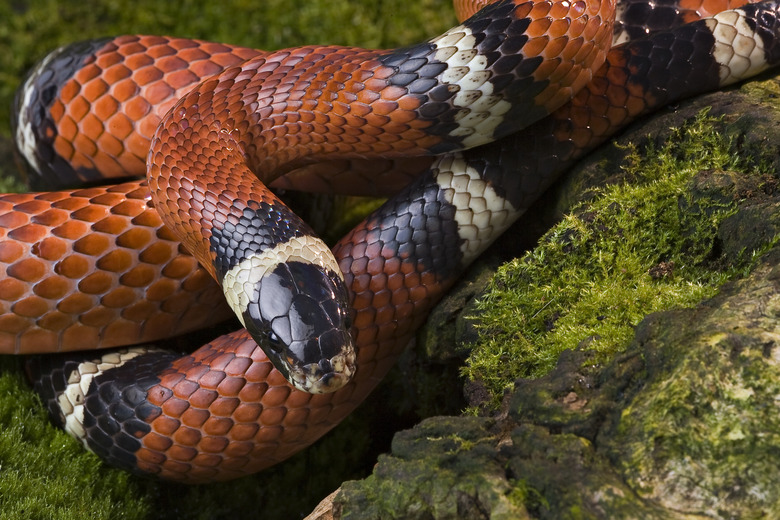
x=225 y=410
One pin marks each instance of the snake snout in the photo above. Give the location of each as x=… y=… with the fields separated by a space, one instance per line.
x=301 y=320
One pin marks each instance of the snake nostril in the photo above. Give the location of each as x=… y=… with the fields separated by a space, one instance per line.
x=325 y=366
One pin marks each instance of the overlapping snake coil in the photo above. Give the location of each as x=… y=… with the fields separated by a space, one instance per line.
x=100 y=266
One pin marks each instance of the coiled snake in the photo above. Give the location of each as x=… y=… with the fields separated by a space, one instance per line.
x=100 y=267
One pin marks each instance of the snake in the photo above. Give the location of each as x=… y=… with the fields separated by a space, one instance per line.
x=479 y=121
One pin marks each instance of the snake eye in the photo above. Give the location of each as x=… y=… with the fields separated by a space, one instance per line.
x=274 y=341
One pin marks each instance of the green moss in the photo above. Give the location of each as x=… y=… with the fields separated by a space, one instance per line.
x=767 y=92
x=720 y=411
x=523 y=494
x=45 y=474
x=444 y=475
x=633 y=250
x=700 y=435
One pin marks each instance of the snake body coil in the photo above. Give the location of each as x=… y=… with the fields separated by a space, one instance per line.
x=225 y=411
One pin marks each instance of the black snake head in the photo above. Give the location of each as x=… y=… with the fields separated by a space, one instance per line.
x=300 y=319
x=286 y=287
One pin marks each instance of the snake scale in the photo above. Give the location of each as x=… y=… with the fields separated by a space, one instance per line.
x=482 y=119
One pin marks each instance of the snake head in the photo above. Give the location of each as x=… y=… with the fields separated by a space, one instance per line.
x=293 y=300
x=301 y=321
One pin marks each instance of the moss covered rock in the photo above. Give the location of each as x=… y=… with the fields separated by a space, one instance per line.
x=702 y=433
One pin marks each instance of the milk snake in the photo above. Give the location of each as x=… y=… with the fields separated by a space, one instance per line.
x=225 y=411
